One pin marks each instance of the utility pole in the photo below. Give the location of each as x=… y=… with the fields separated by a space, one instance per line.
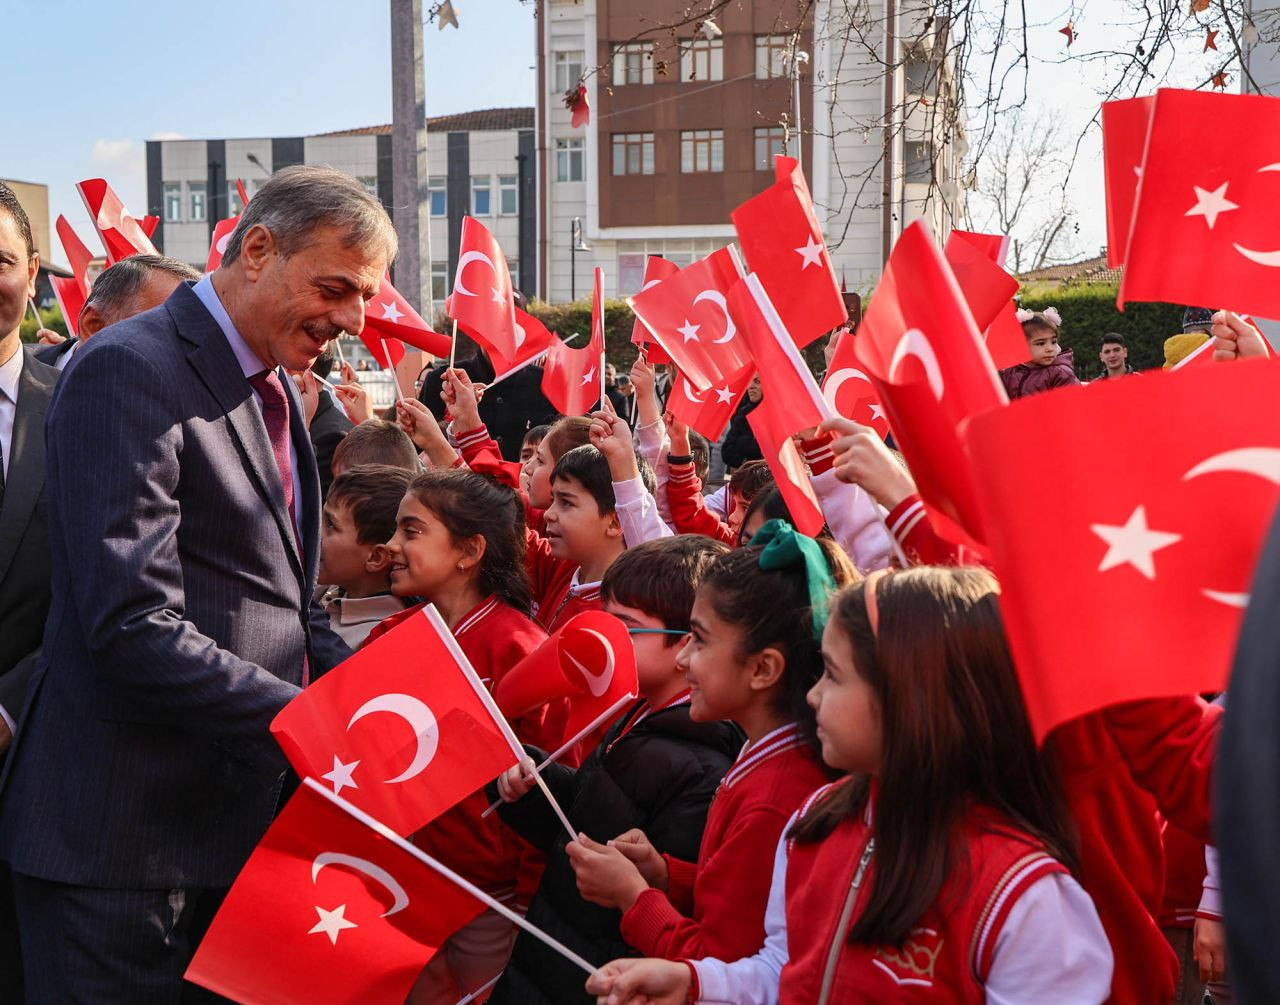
x=411 y=213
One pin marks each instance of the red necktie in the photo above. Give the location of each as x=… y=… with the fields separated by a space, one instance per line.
x=275 y=414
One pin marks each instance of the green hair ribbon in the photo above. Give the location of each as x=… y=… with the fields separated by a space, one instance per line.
x=787 y=548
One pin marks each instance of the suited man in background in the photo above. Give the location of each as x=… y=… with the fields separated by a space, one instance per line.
x=129 y=287
x=184 y=510
x=329 y=424
x=26 y=386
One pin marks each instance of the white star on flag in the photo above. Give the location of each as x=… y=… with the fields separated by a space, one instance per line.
x=1133 y=544
x=1210 y=204
x=390 y=312
x=332 y=922
x=689 y=331
x=811 y=253
x=589 y=376
x=724 y=395
x=340 y=776
x=497 y=297
x=877 y=412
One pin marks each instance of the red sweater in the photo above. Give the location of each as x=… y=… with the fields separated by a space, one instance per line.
x=719 y=909
x=909 y=524
x=689 y=510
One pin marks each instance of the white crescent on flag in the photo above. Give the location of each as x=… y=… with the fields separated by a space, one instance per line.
x=915 y=343
x=399 y=899
x=463 y=262
x=419 y=717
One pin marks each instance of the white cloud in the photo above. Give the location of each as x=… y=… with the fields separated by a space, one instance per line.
x=166 y=136
x=123 y=163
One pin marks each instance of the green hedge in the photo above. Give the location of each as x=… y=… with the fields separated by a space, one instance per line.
x=50 y=318
x=1089 y=311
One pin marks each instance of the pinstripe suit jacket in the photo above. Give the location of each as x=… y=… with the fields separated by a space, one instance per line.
x=180 y=617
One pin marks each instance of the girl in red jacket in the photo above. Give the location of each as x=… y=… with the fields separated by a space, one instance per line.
x=939 y=870
x=753 y=654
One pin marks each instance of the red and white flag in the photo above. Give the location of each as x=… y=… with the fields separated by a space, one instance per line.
x=710 y=411
x=122 y=234
x=992 y=246
x=218 y=241
x=590 y=660
x=577 y=103
x=789 y=387
x=571 y=378
x=988 y=290
x=1224 y=203
x=482 y=293
x=390 y=316
x=1124 y=141
x=849 y=390
x=328 y=910
x=688 y=315
x=70 y=301
x=1154 y=534
x=404 y=728
x=919 y=344
x=783 y=245
x=535 y=341
x=656 y=269
x=773 y=434
x=78 y=254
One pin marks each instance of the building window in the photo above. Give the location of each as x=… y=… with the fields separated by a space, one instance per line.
x=199 y=207
x=569 y=160
x=701 y=150
x=172 y=202
x=438 y=193
x=508 y=194
x=567 y=69
x=630 y=273
x=481 y=195
x=439 y=280
x=770 y=143
x=234 y=206
x=633 y=153
x=919 y=163
x=919 y=73
x=771 y=56
x=633 y=64
x=702 y=59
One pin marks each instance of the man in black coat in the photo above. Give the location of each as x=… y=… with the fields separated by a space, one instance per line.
x=329 y=425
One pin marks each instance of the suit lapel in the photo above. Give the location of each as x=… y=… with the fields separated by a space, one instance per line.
x=217 y=367
x=25 y=481
x=306 y=495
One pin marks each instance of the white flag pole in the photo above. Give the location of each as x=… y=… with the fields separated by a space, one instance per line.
x=382 y=829
x=478 y=993
x=453 y=346
x=482 y=692
x=395 y=378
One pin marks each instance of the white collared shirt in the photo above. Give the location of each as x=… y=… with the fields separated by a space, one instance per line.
x=10 y=372
x=250 y=364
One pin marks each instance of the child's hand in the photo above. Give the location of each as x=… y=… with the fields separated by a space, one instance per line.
x=643 y=855
x=355 y=400
x=464 y=403
x=644 y=378
x=605 y=875
x=679 y=434
x=1235 y=338
x=47 y=337
x=309 y=390
x=645 y=982
x=515 y=782
x=1211 y=949
x=421 y=427
x=863 y=459
x=611 y=435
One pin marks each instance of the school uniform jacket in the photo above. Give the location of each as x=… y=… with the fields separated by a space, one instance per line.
x=716 y=908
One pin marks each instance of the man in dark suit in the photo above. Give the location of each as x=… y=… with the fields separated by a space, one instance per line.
x=127 y=288
x=184 y=510
x=329 y=425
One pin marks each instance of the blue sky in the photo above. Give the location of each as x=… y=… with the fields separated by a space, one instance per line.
x=100 y=79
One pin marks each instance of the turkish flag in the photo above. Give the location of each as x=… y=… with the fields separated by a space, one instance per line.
x=481 y=297
x=656 y=269
x=218 y=242
x=710 y=411
x=590 y=660
x=788 y=385
x=534 y=339
x=773 y=433
x=1149 y=539
x=688 y=315
x=1204 y=227
x=571 y=378
x=390 y=316
x=328 y=910
x=70 y=301
x=849 y=390
x=579 y=106
x=404 y=728
x=992 y=246
x=78 y=254
x=1124 y=141
x=121 y=233
x=149 y=224
x=783 y=245
x=988 y=290
x=387 y=354
x=919 y=343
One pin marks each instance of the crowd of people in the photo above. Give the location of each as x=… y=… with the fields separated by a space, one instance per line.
x=828 y=790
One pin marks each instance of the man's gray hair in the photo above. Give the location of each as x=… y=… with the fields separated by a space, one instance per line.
x=298 y=200
x=113 y=292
